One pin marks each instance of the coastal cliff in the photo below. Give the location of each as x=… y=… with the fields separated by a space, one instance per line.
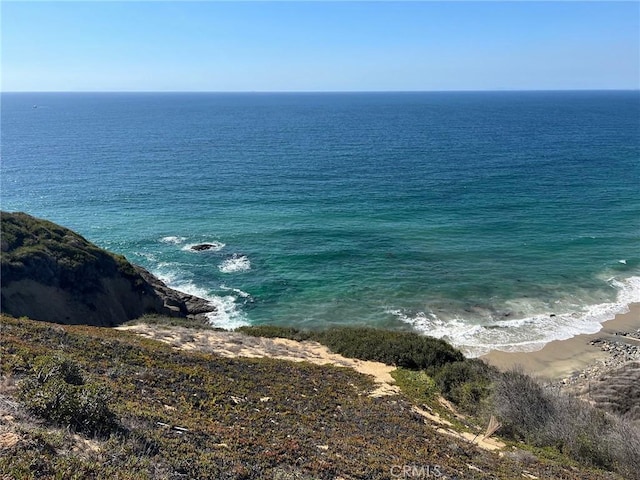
x=53 y=274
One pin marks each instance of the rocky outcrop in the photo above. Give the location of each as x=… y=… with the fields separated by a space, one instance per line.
x=53 y=274
x=179 y=303
x=204 y=246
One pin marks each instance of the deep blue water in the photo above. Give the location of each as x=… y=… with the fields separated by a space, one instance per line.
x=475 y=216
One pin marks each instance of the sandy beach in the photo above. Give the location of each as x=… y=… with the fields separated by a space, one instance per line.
x=563 y=358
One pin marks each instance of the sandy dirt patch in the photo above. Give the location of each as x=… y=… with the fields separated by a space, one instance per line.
x=234 y=344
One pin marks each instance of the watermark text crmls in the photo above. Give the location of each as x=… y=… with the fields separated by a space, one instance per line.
x=416 y=471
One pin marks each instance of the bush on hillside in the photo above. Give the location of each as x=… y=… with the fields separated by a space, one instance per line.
x=466 y=383
x=400 y=349
x=549 y=418
x=273 y=331
x=624 y=441
x=522 y=405
x=57 y=392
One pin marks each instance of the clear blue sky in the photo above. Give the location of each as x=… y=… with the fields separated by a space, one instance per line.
x=319 y=46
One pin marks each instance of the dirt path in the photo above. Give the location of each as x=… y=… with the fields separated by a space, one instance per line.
x=233 y=344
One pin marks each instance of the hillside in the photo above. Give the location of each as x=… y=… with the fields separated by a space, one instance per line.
x=51 y=273
x=197 y=415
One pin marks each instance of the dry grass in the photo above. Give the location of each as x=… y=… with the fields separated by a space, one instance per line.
x=549 y=418
x=618 y=391
x=198 y=415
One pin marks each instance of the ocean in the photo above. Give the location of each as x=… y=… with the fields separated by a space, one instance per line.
x=495 y=220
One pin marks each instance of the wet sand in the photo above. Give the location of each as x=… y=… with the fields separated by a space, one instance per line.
x=561 y=358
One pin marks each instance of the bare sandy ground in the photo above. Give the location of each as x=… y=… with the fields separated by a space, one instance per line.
x=563 y=358
x=233 y=344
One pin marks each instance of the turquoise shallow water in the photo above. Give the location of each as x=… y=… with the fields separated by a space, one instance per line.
x=495 y=220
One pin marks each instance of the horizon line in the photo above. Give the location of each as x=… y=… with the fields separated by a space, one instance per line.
x=335 y=91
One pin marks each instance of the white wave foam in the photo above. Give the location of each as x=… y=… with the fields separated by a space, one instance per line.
x=227 y=313
x=529 y=333
x=147 y=256
x=174 y=240
x=236 y=290
x=215 y=246
x=235 y=263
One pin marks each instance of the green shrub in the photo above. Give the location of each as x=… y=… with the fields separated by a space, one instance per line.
x=56 y=391
x=466 y=383
x=400 y=349
x=416 y=384
x=56 y=367
x=272 y=331
x=162 y=320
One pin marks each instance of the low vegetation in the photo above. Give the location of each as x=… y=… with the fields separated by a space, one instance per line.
x=46 y=252
x=467 y=383
x=443 y=369
x=547 y=418
x=529 y=412
x=400 y=349
x=193 y=323
x=56 y=390
x=153 y=412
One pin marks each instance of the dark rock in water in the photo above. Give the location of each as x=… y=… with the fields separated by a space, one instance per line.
x=53 y=274
x=186 y=303
x=204 y=246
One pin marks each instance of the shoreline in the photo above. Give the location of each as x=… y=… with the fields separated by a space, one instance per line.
x=560 y=359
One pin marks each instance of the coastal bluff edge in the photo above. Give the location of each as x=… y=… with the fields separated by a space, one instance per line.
x=50 y=273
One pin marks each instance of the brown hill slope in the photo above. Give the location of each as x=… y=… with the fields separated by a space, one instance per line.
x=197 y=415
x=51 y=273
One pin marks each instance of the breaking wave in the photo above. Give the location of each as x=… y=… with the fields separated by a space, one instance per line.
x=477 y=337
